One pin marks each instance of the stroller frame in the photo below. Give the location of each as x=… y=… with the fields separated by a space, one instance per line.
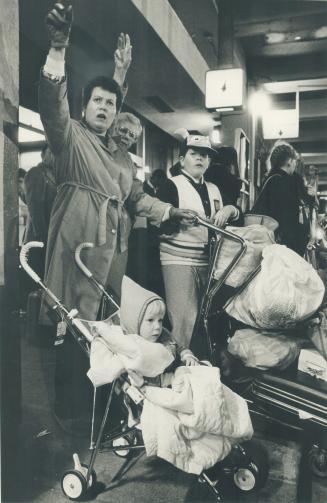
x=300 y=405
x=246 y=465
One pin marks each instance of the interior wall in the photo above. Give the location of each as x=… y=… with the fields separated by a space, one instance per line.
x=158 y=148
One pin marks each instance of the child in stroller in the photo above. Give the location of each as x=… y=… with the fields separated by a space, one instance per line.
x=195 y=423
x=141 y=313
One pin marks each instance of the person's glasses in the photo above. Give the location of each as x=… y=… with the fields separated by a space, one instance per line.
x=128 y=132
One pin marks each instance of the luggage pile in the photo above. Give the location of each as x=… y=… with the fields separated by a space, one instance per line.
x=279 y=306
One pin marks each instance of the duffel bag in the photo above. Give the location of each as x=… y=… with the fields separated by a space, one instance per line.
x=264 y=350
x=256 y=238
x=287 y=290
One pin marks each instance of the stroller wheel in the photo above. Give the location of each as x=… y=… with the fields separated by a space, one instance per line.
x=252 y=471
x=317 y=460
x=121 y=442
x=73 y=485
x=93 y=477
x=244 y=479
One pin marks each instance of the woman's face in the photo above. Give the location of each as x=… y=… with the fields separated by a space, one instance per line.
x=195 y=162
x=100 y=110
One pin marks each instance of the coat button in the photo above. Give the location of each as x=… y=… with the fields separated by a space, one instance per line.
x=113 y=231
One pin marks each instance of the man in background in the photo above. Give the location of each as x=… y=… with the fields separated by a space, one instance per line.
x=40 y=192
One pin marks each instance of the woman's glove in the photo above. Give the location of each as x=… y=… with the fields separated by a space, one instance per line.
x=226 y=213
x=59 y=23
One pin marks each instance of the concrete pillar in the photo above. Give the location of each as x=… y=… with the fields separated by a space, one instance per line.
x=9 y=291
x=225 y=34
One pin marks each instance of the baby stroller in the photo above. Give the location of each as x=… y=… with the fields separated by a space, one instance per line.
x=289 y=398
x=246 y=466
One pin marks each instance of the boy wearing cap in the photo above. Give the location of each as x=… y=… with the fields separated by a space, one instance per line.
x=184 y=252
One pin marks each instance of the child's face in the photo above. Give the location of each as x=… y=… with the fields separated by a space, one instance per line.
x=151 y=326
x=195 y=162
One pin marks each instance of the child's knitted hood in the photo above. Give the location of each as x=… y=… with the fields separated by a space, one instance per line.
x=134 y=301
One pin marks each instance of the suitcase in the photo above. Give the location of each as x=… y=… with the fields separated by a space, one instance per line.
x=299 y=395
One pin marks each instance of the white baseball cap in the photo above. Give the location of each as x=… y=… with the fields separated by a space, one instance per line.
x=199 y=141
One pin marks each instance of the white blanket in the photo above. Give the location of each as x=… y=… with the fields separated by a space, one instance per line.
x=114 y=353
x=194 y=424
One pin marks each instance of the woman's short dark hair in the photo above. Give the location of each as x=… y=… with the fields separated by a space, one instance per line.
x=105 y=83
x=281 y=154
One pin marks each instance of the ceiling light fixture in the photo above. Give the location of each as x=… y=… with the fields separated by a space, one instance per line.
x=225 y=109
x=215 y=136
x=321 y=32
x=259 y=102
x=275 y=37
x=297 y=37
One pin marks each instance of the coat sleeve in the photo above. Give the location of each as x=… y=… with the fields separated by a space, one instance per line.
x=143 y=205
x=54 y=112
x=169 y=343
x=168 y=193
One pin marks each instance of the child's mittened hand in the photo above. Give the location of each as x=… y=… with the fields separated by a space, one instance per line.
x=191 y=361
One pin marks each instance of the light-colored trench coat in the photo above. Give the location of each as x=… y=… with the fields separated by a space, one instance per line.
x=97 y=194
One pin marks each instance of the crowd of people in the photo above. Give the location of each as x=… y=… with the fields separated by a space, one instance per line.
x=86 y=190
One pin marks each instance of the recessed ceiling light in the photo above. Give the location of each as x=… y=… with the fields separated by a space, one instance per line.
x=321 y=32
x=275 y=37
x=298 y=37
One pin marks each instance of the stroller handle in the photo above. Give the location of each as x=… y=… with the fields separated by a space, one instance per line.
x=218 y=230
x=23 y=257
x=78 y=259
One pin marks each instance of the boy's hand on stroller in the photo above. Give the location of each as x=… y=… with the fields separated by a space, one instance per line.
x=226 y=213
x=185 y=217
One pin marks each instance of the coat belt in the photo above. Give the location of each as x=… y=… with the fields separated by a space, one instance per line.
x=102 y=212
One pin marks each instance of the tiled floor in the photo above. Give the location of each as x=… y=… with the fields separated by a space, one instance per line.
x=46 y=452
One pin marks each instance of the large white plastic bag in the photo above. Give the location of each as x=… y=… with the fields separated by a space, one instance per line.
x=285 y=291
x=262 y=349
x=256 y=237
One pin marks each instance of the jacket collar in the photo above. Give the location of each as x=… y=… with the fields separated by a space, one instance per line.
x=196 y=182
x=106 y=142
